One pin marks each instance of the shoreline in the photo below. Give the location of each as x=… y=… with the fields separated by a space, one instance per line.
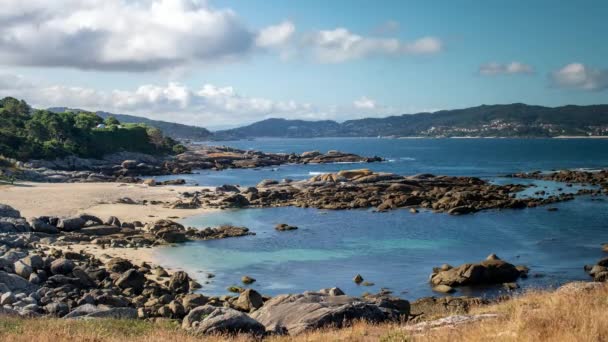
x=99 y=199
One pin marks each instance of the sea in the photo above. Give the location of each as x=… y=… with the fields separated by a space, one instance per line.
x=397 y=250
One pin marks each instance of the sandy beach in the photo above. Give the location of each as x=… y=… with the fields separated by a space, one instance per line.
x=67 y=199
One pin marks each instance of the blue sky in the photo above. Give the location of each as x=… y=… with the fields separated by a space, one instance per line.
x=407 y=56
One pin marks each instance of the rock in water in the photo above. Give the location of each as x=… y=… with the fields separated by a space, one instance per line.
x=358 y=279
x=247 y=280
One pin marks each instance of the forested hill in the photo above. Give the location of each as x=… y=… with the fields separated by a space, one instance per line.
x=512 y=120
x=170 y=129
x=27 y=134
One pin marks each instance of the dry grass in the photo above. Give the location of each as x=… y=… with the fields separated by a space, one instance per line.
x=536 y=316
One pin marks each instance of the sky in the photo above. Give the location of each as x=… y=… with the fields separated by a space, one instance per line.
x=220 y=64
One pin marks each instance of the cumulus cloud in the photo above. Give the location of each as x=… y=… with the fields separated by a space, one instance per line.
x=208 y=106
x=339 y=45
x=119 y=34
x=580 y=76
x=364 y=103
x=512 y=68
x=275 y=36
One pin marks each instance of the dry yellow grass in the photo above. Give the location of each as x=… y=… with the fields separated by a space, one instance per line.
x=535 y=316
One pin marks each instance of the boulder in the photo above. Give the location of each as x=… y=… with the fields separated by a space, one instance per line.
x=249 y=300
x=302 y=312
x=113 y=313
x=57 y=309
x=22 y=269
x=40 y=226
x=118 y=265
x=179 y=282
x=112 y=221
x=132 y=279
x=193 y=300
x=100 y=230
x=71 y=224
x=209 y=319
x=493 y=271
x=62 y=266
x=16 y=284
x=247 y=280
x=83 y=310
x=8 y=211
x=284 y=227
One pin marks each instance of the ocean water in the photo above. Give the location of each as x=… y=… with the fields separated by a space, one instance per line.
x=397 y=249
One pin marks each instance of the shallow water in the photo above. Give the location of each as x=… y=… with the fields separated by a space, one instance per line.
x=397 y=250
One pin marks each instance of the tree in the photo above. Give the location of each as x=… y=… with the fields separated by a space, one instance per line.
x=87 y=121
x=111 y=121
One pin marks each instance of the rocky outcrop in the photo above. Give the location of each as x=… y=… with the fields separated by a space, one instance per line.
x=209 y=319
x=354 y=189
x=295 y=314
x=490 y=271
x=128 y=167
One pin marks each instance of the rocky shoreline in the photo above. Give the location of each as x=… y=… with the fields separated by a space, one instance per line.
x=358 y=189
x=128 y=167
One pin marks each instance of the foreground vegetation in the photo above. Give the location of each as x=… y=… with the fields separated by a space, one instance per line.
x=536 y=316
x=39 y=134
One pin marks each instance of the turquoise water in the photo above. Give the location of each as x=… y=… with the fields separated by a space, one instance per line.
x=397 y=250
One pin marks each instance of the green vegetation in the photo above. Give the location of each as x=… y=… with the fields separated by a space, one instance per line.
x=40 y=134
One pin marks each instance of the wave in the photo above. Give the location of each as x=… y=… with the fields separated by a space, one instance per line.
x=316 y=173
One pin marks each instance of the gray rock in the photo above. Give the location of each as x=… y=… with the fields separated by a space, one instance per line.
x=7 y=298
x=179 y=282
x=62 y=266
x=193 y=300
x=34 y=261
x=71 y=224
x=209 y=319
x=57 y=309
x=40 y=226
x=249 y=300
x=83 y=310
x=100 y=230
x=16 y=283
x=22 y=269
x=132 y=279
x=301 y=312
x=114 y=313
x=8 y=211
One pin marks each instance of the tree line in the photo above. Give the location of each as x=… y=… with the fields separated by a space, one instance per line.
x=26 y=133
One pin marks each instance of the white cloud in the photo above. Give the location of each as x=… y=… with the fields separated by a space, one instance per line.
x=580 y=76
x=339 y=45
x=512 y=68
x=207 y=106
x=119 y=34
x=278 y=35
x=364 y=103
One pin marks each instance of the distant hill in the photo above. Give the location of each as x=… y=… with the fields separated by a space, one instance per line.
x=282 y=128
x=171 y=129
x=511 y=120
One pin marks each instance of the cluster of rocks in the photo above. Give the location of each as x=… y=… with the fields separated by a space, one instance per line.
x=223 y=157
x=37 y=278
x=127 y=167
x=599 y=271
x=598 y=178
x=490 y=271
x=112 y=232
x=352 y=189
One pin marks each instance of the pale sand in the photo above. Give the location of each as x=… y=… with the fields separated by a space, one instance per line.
x=67 y=199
